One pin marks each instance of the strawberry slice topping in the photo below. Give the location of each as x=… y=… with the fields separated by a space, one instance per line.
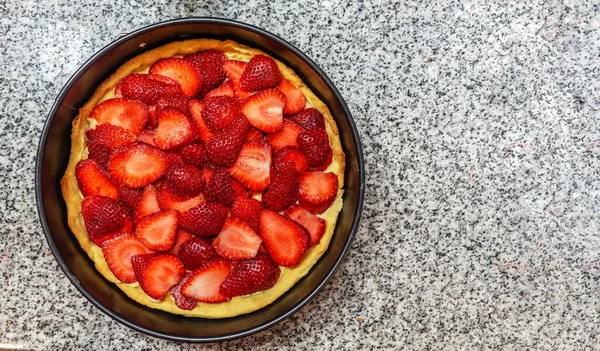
x=287 y=136
x=224 y=147
x=147 y=88
x=291 y=153
x=118 y=253
x=225 y=89
x=234 y=70
x=98 y=153
x=219 y=112
x=158 y=231
x=183 y=72
x=196 y=107
x=185 y=180
x=170 y=200
x=248 y=209
x=137 y=165
x=255 y=135
x=147 y=137
x=261 y=72
x=205 y=282
x=250 y=276
x=253 y=166
x=308 y=119
x=157 y=273
x=285 y=240
x=294 y=98
x=147 y=204
x=130 y=115
x=103 y=217
x=313 y=223
x=193 y=154
x=210 y=63
x=179 y=102
x=237 y=240
x=283 y=191
x=314 y=143
x=182 y=237
x=110 y=135
x=129 y=197
x=94 y=180
x=185 y=303
x=194 y=252
x=174 y=129
x=220 y=189
x=317 y=190
x=265 y=110
x=204 y=220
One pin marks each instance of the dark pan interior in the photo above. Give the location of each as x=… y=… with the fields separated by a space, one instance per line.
x=52 y=161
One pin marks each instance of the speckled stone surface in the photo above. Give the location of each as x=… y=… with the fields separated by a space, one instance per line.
x=480 y=126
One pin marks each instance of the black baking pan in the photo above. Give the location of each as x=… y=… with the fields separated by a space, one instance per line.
x=53 y=154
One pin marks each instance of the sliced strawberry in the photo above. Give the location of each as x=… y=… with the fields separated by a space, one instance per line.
x=129 y=197
x=148 y=203
x=182 y=72
x=285 y=240
x=158 y=231
x=210 y=63
x=179 y=102
x=314 y=143
x=317 y=190
x=253 y=165
x=159 y=273
x=220 y=189
x=308 y=119
x=287 y=136
x=248 y=209
x=137 y=165
x=294 y=98
x=237 y=240
x=283 y=191
x=102 y=216
x=130 y=115
x=173 y=158
x=207 y=174
x=174 y=129
x=147 y=137
x=185 y=303
x=239 y=189
x=225 y=89
x=193 y=154
x=196 y=107
x=169 y=200
x=261 y=73
x=265 y=110
x=94 y=180
x=219 y=112
x=313 y=223
x=224 y=147
x=204 y=220
x=110 y=135
x=182 y=236
x=205 y=282
x=234 y=70
x=146 y=88
x=250 y=276
x=185 y=179
x=118 y=253
x=327 y=159
x=98 y=153
x=194 y=252
x=291 y=153
x=255 y=135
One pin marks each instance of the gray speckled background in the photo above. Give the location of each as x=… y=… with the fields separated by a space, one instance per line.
x=480 y=126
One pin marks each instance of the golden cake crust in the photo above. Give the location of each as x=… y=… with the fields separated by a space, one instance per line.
x=73 y=198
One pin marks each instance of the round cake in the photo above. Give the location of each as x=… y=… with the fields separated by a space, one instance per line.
x=205 y=178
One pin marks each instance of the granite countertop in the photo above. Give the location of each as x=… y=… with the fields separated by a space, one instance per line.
x=481 y=135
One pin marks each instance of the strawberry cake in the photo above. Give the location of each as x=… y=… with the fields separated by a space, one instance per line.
x=205 y=178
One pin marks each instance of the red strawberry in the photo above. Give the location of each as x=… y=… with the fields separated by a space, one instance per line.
x=207 y=174
x=255 y=135
x=130 y=115
x=158 y=231
x=210 y=63
x=205 y=281
x=223 y=148
x=180 y=102
x=204 y=220
x=185 y=303
x=194 y=252
x=129 y=197
x=308 y=119
x=291 y=153
x=294 y=98
x=283 y=191
x=219 y=189
x=324 y=164
x=265 y=110
x=252 y=167
x=182 y=72
x=286 y=136
x=147 y=204
x=239 y=189
x=157 y=273
x=173 y=158
x=219 y=112
x=146 y=88
x=147 y=137
x=196 y=107
x=185 y=179
x=225 y=89
x=127 y=227
x=314 y=143
x=94 y=180
x=193 y=154
x=248 y=209
x=102 y=216
x=317 y=190
x=182 y=236
x=285 y=240
x=234 y=70
x=110 y=135
x=237 y=240
x=118 y=253
x=169 y=200
x=250 y=276
x=313 y=223
x=261 y=72
x=174 y=129
x=137 y=165
x=98 y=153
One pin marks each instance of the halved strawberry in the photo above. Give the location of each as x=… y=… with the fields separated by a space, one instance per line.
x=185 y=303
x=265 y=110
x=204 y=220
x=129 y=197
x=158 y=273
x=183 y=72
x=210 y=63
x=98 y=153
x=317 y=190
x=250 y=276
x=147 y=204
x=194 y=252
x=283 y=191
x=285 y=240
x=313 y=223
x=102 y=217
x=173 y=158
x=219 y=112
x=294 y=98
x=234 y=70
x=168 y=200
x=193 y=154
x=248 y=209
x=237 y=240
x=130 y=115
x=205 y=282
x=287 y=136
x=239 y=189
x=118 y=253
x=255 y=135
x=174 y=129
x=314 y=143
x=219 y=189
x=308 y=119
x=147 y=137
x=94 y=180
x=110 y=135
x=182 y=237
x=224 y=147
x=180 y=102
x=137 y=165
x=146 y=88
x=185 y=180
x=291 y=153
x=261 y=73
x=253 y=165
x=225 y=89
x=196 y=107
x=158 y=231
